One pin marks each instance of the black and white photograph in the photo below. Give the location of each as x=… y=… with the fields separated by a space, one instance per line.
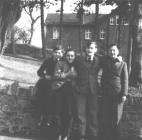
x=70 y=69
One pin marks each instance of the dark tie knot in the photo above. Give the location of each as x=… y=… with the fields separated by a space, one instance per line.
x=89 y=59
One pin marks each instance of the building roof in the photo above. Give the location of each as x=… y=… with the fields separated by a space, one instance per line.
x=70 y=19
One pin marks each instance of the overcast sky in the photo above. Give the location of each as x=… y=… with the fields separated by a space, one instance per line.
x=24 y=21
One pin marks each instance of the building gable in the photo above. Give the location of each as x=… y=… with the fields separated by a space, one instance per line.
x=70 y=19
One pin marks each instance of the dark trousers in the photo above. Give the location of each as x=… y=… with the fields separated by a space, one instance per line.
x=43 y=99
x=61 y=108
x=111 y=112
x=84 y=117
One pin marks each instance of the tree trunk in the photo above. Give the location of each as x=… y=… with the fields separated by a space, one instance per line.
x=6 y=40
x=9 y=14
x=61 y=22
x=13 y=42
x=107 y=33
x=96 y=25
x=80 y=28
x=130 y=41
x=42 y=29
x=119 y=31
x=136 y=74
x=31 y=32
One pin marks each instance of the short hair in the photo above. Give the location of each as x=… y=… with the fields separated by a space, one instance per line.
x=70 y=50
x=111 y=45
x=58 y=47
x=90 y=43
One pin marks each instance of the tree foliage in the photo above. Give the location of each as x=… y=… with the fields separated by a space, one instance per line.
x=90 y=2
x=21 y=35
x=36 y=3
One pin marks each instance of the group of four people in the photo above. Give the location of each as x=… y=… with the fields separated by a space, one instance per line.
x=85 y=94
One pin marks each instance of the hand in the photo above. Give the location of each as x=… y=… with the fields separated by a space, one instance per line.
x=120 y=58
x=63 y=75
x=124 y=98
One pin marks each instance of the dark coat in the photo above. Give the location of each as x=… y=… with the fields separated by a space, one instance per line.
x=85 y=122
x=43 y=86
x=114 y=79
x=47 y=67
x=87 y=77
x=114 y=85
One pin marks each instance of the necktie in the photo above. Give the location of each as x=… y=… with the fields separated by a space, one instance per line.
x=89 y=59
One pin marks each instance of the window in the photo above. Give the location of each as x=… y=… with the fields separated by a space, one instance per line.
x=55 y=33
x=102 y=34
x=117 y=20
x=124 y=21
x=111 y=21
x=140 y=24
x=87 y=34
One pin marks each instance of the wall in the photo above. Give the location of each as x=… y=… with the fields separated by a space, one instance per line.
x=18 y=112
x=131 y=125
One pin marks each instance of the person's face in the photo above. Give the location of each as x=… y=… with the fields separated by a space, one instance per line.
x=113 y=52
x=58 y=54
x=70 y=56
x=91 y=50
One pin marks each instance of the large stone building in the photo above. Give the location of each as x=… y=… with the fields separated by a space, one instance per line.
x=109 y=31
x=71 y=29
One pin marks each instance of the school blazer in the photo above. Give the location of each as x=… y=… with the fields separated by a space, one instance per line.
x=114 y=78
x=87 y=75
